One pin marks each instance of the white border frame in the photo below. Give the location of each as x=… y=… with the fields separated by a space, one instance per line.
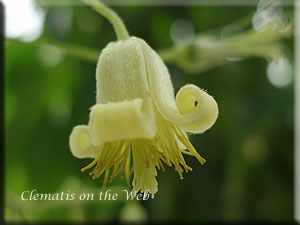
x=164 y=2
x=296 y=4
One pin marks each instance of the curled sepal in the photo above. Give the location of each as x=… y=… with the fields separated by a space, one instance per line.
x=80 y=144
x=195 y=111
x=192 y=100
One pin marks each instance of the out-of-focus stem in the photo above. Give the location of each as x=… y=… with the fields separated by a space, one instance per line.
x=208 y=51
x=109 y=14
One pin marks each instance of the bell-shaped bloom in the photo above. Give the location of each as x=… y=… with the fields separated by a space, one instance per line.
x=137 y=125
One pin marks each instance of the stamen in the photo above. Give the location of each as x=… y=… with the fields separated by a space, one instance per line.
x=114 y=173
x=106 y=178
x=127 y=166
x=89 y=166
x=161 y=165
x=149 y=155
x=131 y=171
x=140 y=154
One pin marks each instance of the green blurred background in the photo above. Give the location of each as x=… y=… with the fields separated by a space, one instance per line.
x=249 y=151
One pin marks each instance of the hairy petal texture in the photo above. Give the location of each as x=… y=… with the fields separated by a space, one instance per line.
x=122 y=80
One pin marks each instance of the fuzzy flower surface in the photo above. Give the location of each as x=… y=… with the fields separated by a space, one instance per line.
x=137 y=126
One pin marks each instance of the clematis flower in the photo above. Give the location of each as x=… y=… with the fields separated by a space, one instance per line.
x=136 y=114
x=137 y=126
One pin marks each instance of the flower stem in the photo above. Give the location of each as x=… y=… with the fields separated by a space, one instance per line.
x=109 y=14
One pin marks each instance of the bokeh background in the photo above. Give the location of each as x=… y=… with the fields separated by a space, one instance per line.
x=249 y=151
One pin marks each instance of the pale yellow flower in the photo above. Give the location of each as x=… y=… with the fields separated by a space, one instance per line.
x=137 y=126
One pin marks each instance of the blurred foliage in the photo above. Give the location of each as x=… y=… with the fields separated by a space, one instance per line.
x=249 y=151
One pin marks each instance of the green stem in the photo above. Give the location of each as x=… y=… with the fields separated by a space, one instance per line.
x=116 y=21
